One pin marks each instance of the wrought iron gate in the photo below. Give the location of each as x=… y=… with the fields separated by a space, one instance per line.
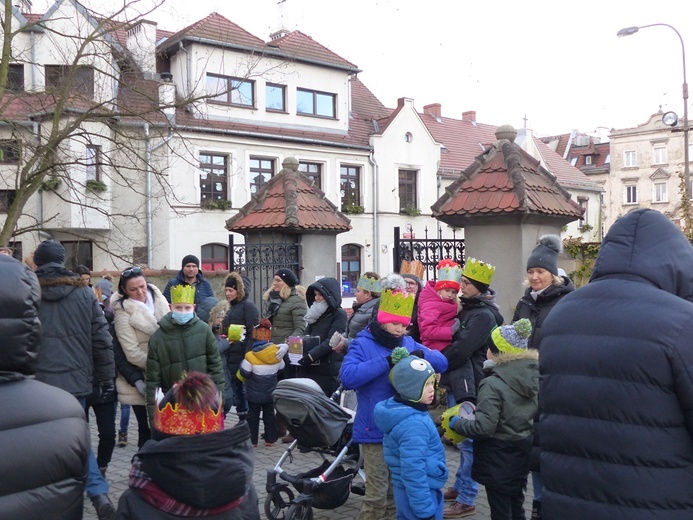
x=429 y=251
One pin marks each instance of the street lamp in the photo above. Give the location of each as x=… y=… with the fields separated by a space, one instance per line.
x=632 y=30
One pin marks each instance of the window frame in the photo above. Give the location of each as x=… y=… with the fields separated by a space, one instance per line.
x=583 y=202
x=93 y=163
x=630 y=194
x=261 y=170
x=315 y=112
x=55 y=77
x=657 y=150
x=347 y=173
x=630 y=154
x=209 y=262
x=305 y=168
x=408 y=197
x=81 y=251
x=6 y=199
x=655 y=192
x=350 y=276
x=10 y=151
x=232 y=86
x=15 y=78
x=211 y=168
x=269 y=86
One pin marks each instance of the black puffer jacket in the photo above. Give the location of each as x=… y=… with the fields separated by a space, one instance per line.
x=44 y=440
x=616 y=390
x=242 y=311
x=76 y=346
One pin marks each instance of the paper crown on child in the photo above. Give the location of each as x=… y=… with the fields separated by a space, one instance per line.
x=236 y=333
x=182 y=294
x=410 y=374
x=449 y=275
x=366 y=283
x=479 y=272
x=193 y=406
x=512 y=339
x=395 y=307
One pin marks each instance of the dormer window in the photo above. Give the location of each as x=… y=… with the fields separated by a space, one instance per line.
x=81 y=79
x=314 y=103
x=588 y=160
x=230 y=91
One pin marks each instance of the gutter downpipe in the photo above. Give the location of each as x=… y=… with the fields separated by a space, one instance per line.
x=148 y=150
x=376 y=234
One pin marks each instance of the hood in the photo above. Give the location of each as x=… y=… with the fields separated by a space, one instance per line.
x=390 y=413
x=330 y=288
x=646 y=245
x=266 y=353
x=20 y=328
x=242 y=285
x=512 y=369
x=57 y=282
x=487 y=298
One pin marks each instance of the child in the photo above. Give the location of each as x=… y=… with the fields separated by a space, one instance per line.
x=182 y=343
x=411 y=444
x=502 y=428
x=438 y=307
x=365 y=368
x=216 y=317
x=259 y=373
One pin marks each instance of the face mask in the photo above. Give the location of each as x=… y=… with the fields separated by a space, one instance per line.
x=182 y=317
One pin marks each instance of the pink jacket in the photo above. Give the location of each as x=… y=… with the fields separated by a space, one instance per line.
x=436 y=317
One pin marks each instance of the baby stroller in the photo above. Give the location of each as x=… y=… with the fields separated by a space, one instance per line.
x=318 y=425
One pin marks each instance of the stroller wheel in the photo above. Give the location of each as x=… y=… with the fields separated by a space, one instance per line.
x=277 y=501
x=300 y=511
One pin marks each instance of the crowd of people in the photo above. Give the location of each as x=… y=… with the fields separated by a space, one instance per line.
x=614 y=375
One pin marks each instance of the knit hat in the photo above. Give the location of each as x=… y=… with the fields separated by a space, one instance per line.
x=410 y=374
x=449 y=275
x=49 y=251
x=511 y=339
x=261 y=333
x=396 y=305
x=478 y=273
x=190 y=259
x=288 y=276
x=418 y=280
x=545 y=254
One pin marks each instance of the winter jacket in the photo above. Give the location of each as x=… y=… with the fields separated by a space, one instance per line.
x=203 y=289
x=259 y=370
x=44 y=438
x=366 y=369
x=242 y=311
x=286 y=314
x=201 y=471
x=435 y=317
x=175 y=349
x=413 y=452
x=360 y=318
x=616 y=390
x=75 y=344
x=502 y=429
x=134 y=325
x=467 y=353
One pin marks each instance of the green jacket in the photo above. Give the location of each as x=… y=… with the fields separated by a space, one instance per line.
x=287 y=316
x=174 y=349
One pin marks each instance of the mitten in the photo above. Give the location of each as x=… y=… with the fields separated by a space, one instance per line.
x=335 y=339
x=455 y=326
x=141 y=387
x=454 y=420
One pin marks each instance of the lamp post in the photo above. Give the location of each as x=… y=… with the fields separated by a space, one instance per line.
x=632 y=30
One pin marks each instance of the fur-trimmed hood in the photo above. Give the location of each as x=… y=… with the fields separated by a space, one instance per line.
x=218 y=311
x=242 y=285
x=57 y=282
x=519 y=371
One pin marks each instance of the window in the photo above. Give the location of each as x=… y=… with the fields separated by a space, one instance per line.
x=311 y=102
x=312 y=170
x=608 y=159
x=351 y=269
x=631 y=194
x=630 y=159
x=78 y=252
x=15 y=78
x=690 y=151
x=408 y=137
x=261 y=171
x=9 y=151
x=588 y=160
x=659 y=154
x=6 y=199
x=407 y=191
x=81 y=78
x=350 y=184
x=232 y=91
x=584 y=203
x=275 y=97
x=214 y=257
x=213 y=177
x=573 y=161
x=93 y=163
x=660 y=192
x=16 y=250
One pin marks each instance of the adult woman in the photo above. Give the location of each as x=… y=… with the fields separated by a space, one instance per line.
x=545 y=289
x=137 y=308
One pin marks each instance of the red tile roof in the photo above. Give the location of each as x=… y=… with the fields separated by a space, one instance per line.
x=216 y=28
x=301 y=46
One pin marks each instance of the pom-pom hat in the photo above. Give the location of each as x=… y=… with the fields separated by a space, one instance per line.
x=449 y=275
x=396 y=305
x=512 y=339
x=410 y=374
x=545 y=254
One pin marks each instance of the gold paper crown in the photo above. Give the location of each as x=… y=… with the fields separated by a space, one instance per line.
x=236 y=333
x=478 y=271
x=367 y=283
x=175 y=419
x=449 y=270
x=398 y=303
x=182 y=294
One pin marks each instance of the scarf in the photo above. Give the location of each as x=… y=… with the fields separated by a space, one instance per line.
x=275 y=300
x=383 y=337
x=316 y=310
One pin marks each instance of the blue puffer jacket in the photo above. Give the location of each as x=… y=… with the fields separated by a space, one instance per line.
x=366 y=369
x=616 y=390
x=413 y=453
x=203 y=289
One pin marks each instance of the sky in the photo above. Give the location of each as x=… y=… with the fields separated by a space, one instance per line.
x=551 y=66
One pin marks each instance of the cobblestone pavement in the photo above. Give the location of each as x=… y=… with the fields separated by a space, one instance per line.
x=266 y=458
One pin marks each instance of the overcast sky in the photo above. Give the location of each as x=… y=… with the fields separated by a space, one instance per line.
x=559 y=64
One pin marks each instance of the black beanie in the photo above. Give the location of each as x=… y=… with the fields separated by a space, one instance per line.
x=545 y=255
x=482 y=287
x=231 y=281
x=288 y=276
x=49 y=251
x=190 y=259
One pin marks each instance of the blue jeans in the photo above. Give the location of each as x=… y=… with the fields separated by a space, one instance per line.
x=96 y=483
x=538 y=485
x=404 y=511
x=124 y=418
x=466 y=487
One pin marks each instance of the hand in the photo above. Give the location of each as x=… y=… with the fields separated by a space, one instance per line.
x=455 y=326
x=454 y=420
x=141 y=387
x=305 y=361
x=418 y=353
x=106 y=391
x=389 y=361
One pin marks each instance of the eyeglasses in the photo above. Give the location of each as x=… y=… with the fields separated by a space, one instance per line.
x=134 y=271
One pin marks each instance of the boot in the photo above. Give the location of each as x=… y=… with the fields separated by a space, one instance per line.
x=242 y=417
x=104 y=507
x=536 y=510
x=122 y=439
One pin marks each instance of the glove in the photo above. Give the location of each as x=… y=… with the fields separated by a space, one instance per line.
x=141 y=387
x=418 y=353
x=335 y=339
x=106 y=391
x=454 y=420
x=305 y=361
x=389 y=361
x=455 y=326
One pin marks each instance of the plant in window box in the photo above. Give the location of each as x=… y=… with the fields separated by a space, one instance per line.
x=96 y=186
x=221 y=204
x=585 y=228
x=353 y=209
x=412 y=211
x=50 y=184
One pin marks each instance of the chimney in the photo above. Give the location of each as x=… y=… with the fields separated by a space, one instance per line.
x=141 y=42
x=167 y=97
x=469 y=115
x=433 y=110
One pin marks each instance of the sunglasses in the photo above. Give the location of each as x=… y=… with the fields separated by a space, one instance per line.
x=134 y=271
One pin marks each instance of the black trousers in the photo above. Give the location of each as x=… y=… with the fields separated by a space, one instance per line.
x=268 y=419
x=504 y=506
x=105 y=414
x=143 y=431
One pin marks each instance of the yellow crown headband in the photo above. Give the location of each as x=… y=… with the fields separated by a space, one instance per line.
x=367 y=283
x=396 y=303
x=478 y=271
x=182 y=294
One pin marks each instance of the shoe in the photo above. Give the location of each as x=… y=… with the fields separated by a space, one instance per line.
x=103 y=469
x=288 y=439
x=254 y=445
x=458 y=510
x=104 y=507
x=122 y=439
x=268 y=444
x=536 y=510
x=450 y=495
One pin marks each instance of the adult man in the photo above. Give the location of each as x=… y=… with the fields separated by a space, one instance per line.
x=616 y=393
x=44 y=439
x=466 y=356
x=190 y=275
x=76 y=352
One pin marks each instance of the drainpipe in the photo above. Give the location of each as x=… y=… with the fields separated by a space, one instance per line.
x=188 y=72
x=376 y=235
x=148 y=150
x=439 y=184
